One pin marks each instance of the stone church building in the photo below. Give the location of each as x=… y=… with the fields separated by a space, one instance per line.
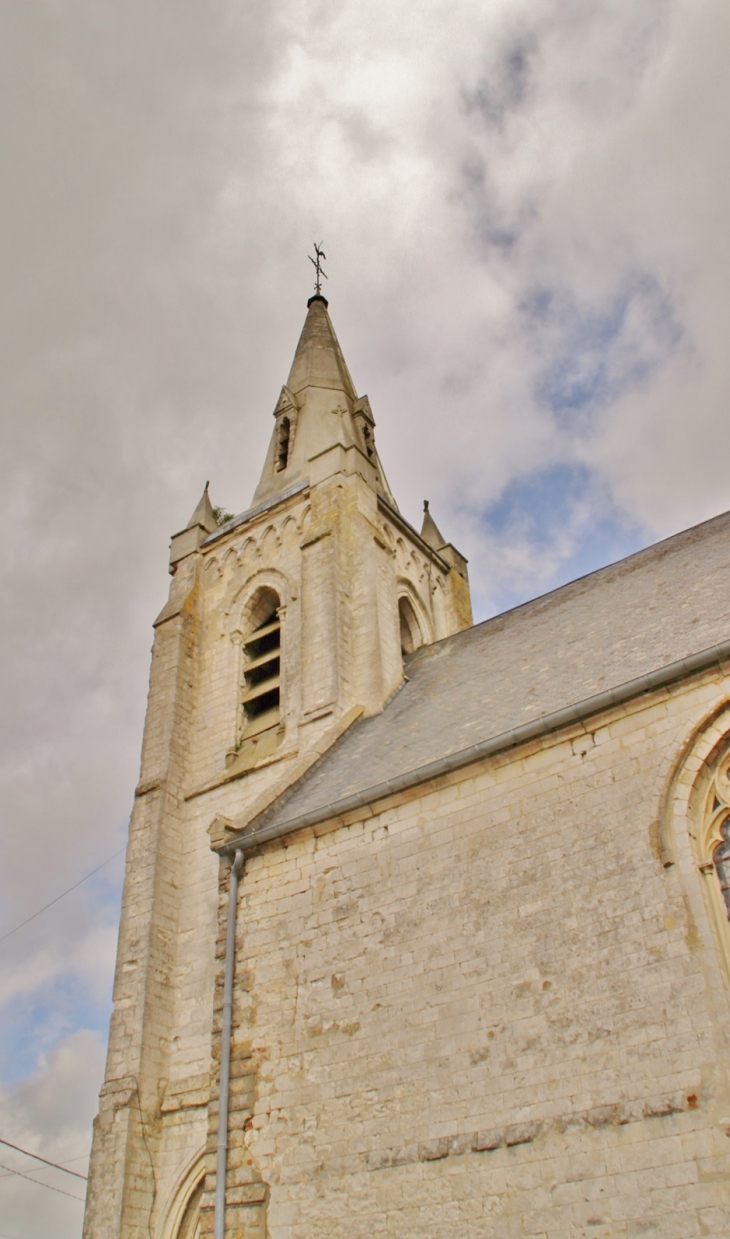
x=425 y=923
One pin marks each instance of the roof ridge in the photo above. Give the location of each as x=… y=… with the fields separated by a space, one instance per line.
x=643 y=552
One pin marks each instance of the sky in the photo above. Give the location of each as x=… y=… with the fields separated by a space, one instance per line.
x=525 y=206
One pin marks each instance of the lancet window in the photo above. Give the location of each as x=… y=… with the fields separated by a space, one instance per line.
x=282 y=443
x=410 y=632
x=367 y=435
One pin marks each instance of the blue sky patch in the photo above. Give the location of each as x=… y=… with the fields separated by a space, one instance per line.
x=596 y=352
x=33 y=1023
x=562 y=522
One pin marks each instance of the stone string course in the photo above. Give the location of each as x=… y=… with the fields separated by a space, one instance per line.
x=524 y=1133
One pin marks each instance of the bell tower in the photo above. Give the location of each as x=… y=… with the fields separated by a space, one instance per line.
x=317 y=583
x=282 y=627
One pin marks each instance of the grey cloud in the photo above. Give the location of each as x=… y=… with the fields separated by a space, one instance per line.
x=505 y=87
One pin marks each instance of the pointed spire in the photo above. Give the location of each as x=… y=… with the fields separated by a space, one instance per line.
x=204 y=514
x=314 y=411
x=430 y=531
x=318 y=361
x=321 y=426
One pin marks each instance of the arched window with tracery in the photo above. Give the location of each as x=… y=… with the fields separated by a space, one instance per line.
x=721 y=860
x=711 y=839
x=714 y=839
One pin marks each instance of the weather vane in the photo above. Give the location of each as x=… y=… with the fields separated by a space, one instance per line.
x=317 y=263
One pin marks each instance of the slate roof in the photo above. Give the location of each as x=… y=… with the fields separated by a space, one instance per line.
x=622 y=622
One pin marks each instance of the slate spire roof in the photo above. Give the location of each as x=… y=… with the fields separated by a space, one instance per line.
x=318 y=360
x=318 y=410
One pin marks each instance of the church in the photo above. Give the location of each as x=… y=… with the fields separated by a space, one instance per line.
x=425 y=926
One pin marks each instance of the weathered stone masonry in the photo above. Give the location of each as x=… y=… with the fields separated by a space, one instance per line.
x=482 y=1010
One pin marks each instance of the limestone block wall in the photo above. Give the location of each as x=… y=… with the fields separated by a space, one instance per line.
x=483 y=1011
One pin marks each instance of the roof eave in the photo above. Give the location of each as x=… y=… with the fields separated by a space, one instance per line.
x=253 y=837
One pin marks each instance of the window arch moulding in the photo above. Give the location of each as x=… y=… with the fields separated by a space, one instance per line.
x=238 y=607
x=182 y=1216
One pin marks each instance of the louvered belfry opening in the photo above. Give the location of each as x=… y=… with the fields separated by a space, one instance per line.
x=262 y=671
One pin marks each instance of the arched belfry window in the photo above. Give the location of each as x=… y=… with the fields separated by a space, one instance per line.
x=283 y=435
x=262 y=665
x=410 y=631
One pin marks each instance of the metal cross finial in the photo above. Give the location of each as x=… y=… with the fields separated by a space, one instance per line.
x=317 y=262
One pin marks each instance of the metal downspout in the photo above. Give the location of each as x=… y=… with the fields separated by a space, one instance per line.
x=221 y=1166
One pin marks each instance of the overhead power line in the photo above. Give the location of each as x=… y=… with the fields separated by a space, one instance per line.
x=35 y=1156
x=40 y=1183
x=63 y=894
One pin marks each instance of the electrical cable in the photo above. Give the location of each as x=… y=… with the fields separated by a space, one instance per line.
x=63 y=894
x=35 y=1156
x=40 y=1183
